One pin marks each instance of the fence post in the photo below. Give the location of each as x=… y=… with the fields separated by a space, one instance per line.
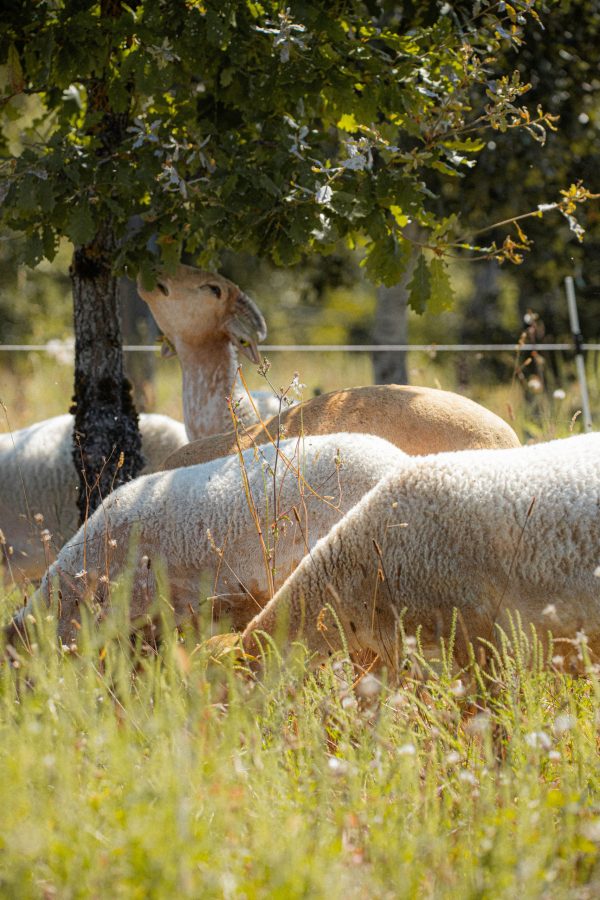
x=579 y=357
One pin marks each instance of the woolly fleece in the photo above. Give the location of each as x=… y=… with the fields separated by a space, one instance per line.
x=486 y=532
x=195 y=525
x=37 y=475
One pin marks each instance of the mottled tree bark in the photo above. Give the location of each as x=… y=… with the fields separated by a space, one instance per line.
x=107 y=444
x=107 y=447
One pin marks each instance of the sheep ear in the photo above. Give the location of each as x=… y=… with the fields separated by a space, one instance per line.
x=166 y=347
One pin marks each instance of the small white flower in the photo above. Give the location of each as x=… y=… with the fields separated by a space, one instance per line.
x=337 y=766
x=537 y=739
x=563 y=723
x=81 y=574
x=559 y=394
x=467 y=777
x=452 y=758
x=410 y=644
x=458 y=688
x=368 y=687
x=535 y=384
x=407 y=750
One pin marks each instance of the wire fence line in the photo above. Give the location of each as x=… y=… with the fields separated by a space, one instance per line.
x=340 y=348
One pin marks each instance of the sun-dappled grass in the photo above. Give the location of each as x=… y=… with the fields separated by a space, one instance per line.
x=127 y=772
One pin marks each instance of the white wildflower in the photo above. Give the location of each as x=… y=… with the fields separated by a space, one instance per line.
x=452 y=758
x=337 y=766
x=538 y=739
x=458 y=688
x=535 y=384
x=407 y=750
x=467 y=777
x=368 y=687
x=563 y=723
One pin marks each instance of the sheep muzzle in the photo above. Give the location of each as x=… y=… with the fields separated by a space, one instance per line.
x=247 y=327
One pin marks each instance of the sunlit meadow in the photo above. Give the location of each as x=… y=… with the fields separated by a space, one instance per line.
x=129 y=770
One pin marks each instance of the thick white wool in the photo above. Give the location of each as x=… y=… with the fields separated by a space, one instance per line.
x=486 y=531
x=196 y=523
x=37 y=475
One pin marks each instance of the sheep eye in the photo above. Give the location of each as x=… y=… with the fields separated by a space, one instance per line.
x=215 y=289
x=162 y=288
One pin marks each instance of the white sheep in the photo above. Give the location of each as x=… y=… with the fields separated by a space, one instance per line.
x=207 y=320
x=419 y=420
x=486 y=532
x=39 y=485
x=197 y=525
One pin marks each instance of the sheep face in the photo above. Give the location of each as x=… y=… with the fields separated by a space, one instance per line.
x=194 y=307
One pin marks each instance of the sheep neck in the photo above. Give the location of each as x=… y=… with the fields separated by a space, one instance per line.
x=209 y=372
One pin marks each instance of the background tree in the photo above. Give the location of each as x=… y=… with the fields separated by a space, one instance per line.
x=560 y=63
x=263 y=127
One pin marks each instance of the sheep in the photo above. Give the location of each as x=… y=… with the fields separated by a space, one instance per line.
x=207 y=320
x=419 y=420
x=486 y=532
x=196 y=522
x=39 y=485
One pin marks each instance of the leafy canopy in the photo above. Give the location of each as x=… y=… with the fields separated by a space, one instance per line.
x=268 y=127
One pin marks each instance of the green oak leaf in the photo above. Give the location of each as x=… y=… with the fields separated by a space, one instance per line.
x=387 y=258
x=80 y=227
x=419 y=286
x=441 y=294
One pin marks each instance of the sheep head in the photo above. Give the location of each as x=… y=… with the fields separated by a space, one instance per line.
x=195 y=307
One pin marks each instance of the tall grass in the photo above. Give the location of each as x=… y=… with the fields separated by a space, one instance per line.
x=135 y=771
x=126 y=772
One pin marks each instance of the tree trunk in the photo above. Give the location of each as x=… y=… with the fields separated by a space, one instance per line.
x=391 y=327
x=482 y=324
x=107 y=444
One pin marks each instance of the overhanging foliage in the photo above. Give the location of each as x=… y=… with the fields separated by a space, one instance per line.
x=258 y=126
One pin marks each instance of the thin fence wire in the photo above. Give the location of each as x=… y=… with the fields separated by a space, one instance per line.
x=344 y=348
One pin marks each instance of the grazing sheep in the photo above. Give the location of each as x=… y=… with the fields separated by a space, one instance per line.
x=419 y=420
x=39 y=485
x=486 y=532
x=197 y=522
x=208 y=319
